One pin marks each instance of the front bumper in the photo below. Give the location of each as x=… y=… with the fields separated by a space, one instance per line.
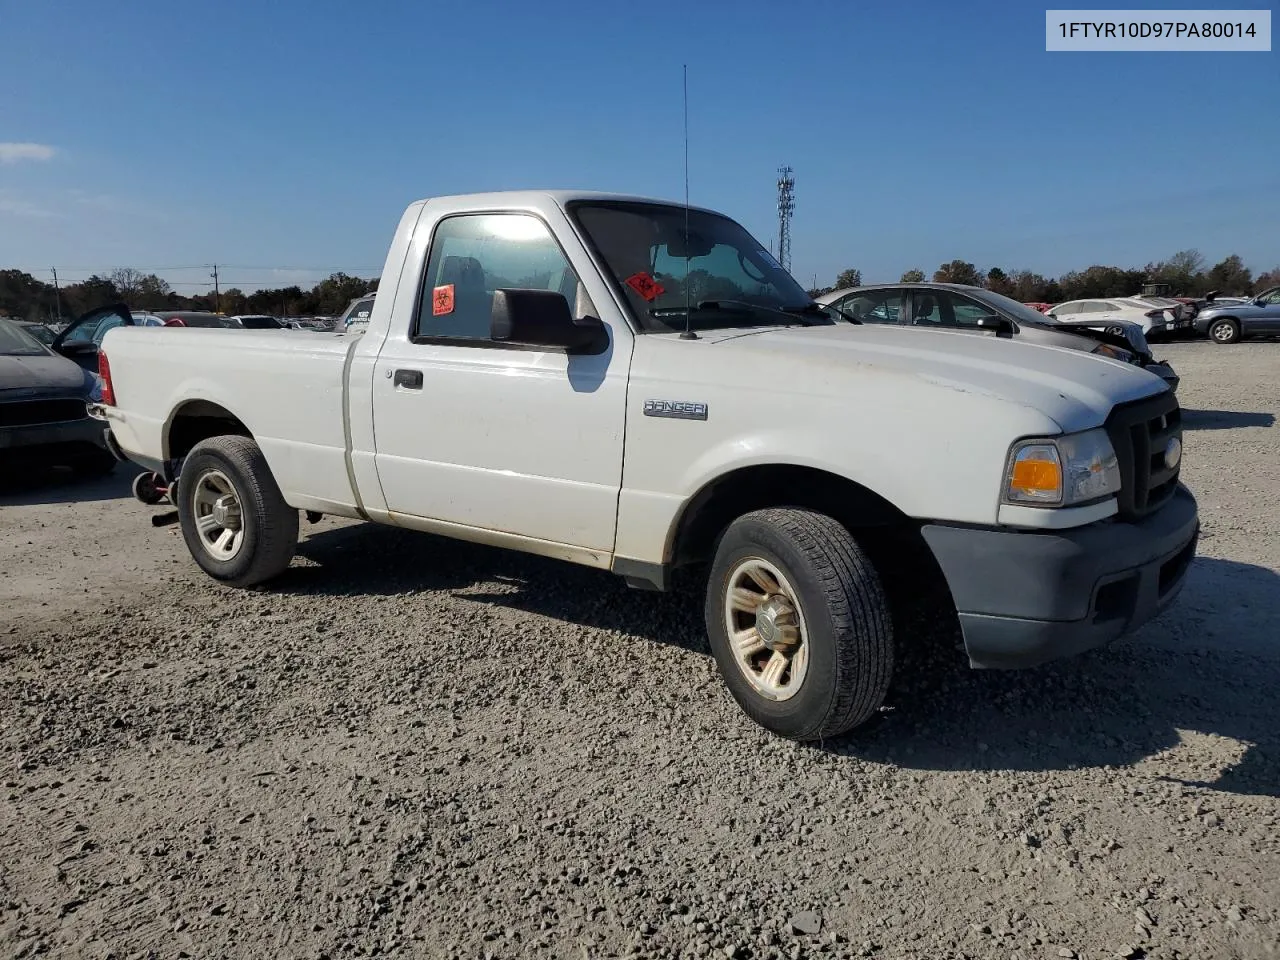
x=1024 y=598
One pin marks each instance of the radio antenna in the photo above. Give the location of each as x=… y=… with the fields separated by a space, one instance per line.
x=688 y=308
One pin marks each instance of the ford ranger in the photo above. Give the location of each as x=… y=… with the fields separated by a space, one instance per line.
x=640 y=387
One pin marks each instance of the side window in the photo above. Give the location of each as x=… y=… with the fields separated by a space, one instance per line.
x=872 y=306
x=473 y=255
x=941 y=308
x=969 y=312
x=1272 y=298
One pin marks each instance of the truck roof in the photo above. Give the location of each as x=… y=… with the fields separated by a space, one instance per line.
x=507 y=198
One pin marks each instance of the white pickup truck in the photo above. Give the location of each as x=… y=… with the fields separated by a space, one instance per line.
x=634 y=386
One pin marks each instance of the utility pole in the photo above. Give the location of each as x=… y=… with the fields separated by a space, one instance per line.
x=57 y=292
x=217 y=294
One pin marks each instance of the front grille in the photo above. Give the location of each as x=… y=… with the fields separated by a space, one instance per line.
x=26 y=413
x=1140 y=432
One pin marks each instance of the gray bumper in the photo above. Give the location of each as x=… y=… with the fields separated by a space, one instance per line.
x=1025 y=598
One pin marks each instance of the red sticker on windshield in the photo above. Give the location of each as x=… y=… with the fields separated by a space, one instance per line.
x=645 y=285
x=442 y=300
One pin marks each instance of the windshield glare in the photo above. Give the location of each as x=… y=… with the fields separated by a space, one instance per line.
x=645 y=245
x=16 y=342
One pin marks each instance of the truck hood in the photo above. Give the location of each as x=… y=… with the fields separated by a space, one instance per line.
x=1076 y=390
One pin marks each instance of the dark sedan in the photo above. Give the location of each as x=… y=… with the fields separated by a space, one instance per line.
x=43 y=419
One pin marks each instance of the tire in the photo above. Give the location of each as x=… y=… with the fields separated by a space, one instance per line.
x=840 y=620
x=263 y=528
x=1224 y=331
x=146 y=490
x=92 y=466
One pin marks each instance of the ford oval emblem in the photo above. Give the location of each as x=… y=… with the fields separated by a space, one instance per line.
x=1173 y=453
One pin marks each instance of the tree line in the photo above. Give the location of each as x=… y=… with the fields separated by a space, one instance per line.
x=1187 y=274
x=27 y=298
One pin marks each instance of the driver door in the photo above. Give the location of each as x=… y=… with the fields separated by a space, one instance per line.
x=491 y=435
x=1267 y=318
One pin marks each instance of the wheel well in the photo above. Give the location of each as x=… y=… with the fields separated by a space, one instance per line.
x=726 y=498
x=198 y=420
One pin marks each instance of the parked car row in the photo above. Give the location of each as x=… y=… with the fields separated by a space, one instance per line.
x=1223 y=319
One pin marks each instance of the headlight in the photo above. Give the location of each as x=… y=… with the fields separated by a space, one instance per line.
x=1062 y=472
x=1115 y=353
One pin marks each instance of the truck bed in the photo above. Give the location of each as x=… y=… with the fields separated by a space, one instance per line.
x=284 y=385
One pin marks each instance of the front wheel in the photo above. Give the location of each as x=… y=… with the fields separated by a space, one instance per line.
x=1224 y=331
x=799 y=623
x=234 y=519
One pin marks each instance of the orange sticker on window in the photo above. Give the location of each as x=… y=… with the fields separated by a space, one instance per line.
x=442 y=300
x=645 y=285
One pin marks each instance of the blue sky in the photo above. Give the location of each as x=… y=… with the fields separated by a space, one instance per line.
x=291 y=135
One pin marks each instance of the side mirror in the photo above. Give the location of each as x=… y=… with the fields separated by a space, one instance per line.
x=75 y=348
x=993 y=322
x=542 y=318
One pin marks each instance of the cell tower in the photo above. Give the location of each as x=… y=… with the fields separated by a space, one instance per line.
x=786 y=207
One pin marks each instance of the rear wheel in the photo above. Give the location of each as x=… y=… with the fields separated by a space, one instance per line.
x=1224 y=331
x=234 y=519
x=799 y=623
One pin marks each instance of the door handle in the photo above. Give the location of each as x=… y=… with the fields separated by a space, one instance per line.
x=411 y=379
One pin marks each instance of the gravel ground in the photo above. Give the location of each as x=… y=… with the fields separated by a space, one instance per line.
x=412 y=747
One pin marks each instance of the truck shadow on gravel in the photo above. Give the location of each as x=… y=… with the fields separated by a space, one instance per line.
x=1210 y=665
x=59 y=485
x=1224 y=419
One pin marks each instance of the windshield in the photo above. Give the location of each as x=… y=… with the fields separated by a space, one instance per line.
x=645 y=246
x=1019 y=311
x=16 y=342
x=260 y=323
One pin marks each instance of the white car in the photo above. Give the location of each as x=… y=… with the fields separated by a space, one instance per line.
x=1154 y=317
x=144 y=318
x=536 y=376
